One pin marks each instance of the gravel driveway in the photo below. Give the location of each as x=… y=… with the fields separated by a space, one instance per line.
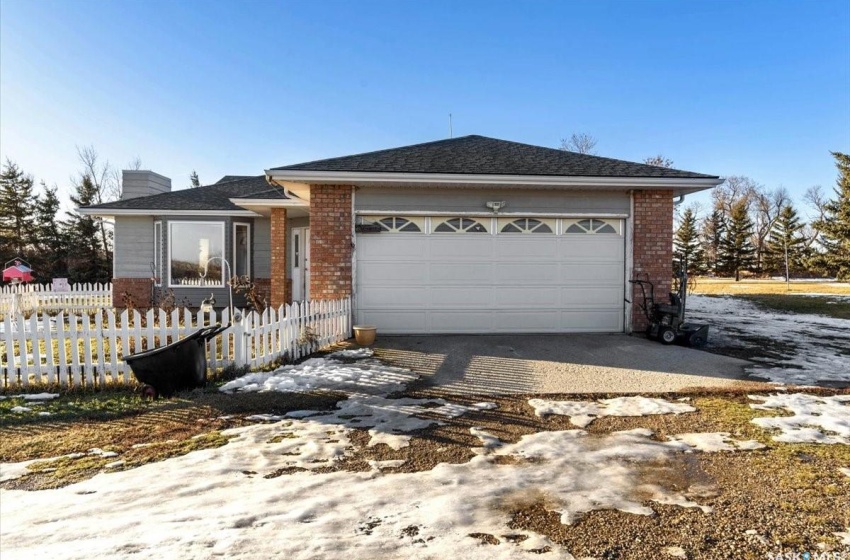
x=573 y=363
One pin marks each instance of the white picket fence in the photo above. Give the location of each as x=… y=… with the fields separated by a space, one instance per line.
x=87 y=350
x=28 y=298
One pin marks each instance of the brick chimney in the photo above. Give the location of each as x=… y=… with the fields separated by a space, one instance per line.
x=135 y=184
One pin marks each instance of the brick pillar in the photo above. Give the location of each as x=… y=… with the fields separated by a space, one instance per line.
x=653 y=248
x=135 y=291
x=279 y=292
x=330 y=241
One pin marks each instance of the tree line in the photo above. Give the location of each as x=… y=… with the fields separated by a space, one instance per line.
x=752 y=230
x=59 y=244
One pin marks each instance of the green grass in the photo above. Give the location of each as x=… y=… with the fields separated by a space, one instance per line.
x=76 y=405
x=836 y=307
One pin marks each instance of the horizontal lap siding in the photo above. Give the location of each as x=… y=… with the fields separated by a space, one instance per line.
x=439 y=199
x=133 y=246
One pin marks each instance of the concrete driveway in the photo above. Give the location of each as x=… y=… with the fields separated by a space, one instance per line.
x=574 y=363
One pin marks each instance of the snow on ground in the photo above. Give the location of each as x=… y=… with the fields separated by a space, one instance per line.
x=582 y=413
x=814 y=350
x=814 y=419
x=845 y=472
x=368 y=376
x=217 y=502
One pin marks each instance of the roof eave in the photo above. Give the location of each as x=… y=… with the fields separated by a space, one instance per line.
x=110 y=212
x=690 y=184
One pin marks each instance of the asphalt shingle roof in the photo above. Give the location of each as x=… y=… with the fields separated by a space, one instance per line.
x=479 y=155
x=210 y=197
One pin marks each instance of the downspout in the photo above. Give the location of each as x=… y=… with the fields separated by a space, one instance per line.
x=678 y=202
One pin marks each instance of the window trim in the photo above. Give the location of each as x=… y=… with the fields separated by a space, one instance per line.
x=247 y=227
x=418 y=221
x=486 y=224
x=223 y=225
x=504 y=222
x=615 y=223
x=157 y=253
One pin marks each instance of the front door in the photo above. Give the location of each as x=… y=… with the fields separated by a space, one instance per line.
x=300 y=264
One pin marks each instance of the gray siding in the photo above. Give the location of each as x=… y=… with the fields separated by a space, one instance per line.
x=441 y=199
x=133 y=246
x=261 y=238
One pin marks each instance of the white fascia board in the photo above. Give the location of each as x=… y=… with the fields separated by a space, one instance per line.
x=349 y=177
x=105 y=212
x=491 y=214
x=269 y=203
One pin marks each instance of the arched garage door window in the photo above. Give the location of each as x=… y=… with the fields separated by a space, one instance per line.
x=461 y=225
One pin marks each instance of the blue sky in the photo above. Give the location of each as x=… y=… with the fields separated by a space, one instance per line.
x=746 y=88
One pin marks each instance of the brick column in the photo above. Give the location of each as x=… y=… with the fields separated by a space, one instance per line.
x=279 y=292
x=330 y=241
x=653 y=248
x=131 y=290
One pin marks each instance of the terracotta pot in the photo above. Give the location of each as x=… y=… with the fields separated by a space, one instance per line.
x=365 y=334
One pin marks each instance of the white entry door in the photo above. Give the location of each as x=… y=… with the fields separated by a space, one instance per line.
x=300 y=264
x=488 y=275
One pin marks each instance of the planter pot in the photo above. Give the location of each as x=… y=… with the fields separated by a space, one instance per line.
x=365 y=334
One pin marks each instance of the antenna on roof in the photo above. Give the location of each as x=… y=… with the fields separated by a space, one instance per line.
x=450 y=126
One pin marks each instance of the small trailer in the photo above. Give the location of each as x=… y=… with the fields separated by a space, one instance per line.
x=667 y=320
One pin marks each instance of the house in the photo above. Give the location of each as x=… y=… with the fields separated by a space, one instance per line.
x=465 y=235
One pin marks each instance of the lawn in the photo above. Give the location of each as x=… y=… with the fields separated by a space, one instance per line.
x=728 y=286
x=379 y=470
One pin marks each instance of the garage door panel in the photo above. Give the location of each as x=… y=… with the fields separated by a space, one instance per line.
x=390 y=273
x=592 y=297
x=461 y=297
x=392 y=297
x=592 y=273
x=521 y=274
x=460 y=273
x=395 y=322
x=592 y=321
x=512 y=297
x=523 y=321
x=526 y=247
x=386 y=245
x=595 y=247
x=472 y=247
x=460 y=321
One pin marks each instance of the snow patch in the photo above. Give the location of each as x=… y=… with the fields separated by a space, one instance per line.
x=813 y=348
x=814 y=420
x=40 y=396
x=325 y=374
x=484 y=406
x=844 y=471
x=20 y=409
x=582 y=413
x=488 y=440
x=353 y=354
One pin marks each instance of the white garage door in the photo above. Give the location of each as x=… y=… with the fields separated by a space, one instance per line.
x=489 y=275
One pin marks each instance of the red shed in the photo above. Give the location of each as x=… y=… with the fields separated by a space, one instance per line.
x=17 y=271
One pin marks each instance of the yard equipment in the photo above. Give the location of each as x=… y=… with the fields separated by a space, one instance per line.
x=174 y=367
x=667 y=321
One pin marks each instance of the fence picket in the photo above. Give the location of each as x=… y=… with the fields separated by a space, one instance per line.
x=84 y=349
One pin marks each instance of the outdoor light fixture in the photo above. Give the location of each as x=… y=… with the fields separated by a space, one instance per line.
x=496 y=205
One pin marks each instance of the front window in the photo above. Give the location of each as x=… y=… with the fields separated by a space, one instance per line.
x=241 y=250
x=195 y=252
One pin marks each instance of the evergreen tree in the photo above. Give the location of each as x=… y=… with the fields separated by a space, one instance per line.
x=17 y=222
x=196 y=182
x=736 y=249
x=713 y=231
x=89 y=262
x=786 y=238
x=686 y=244
x=52 y=242
x=835 y=224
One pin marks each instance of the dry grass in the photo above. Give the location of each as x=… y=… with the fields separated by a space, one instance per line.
x=728 y=286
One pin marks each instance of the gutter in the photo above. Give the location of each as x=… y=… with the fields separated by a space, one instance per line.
x=354 y=177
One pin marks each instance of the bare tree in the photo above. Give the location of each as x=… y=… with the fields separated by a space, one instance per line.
x=107 y=184
x=659 y=161
x=579 y=142
x=765 y=209
x=815 y=198
x=731 y=190
x=135 y=164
